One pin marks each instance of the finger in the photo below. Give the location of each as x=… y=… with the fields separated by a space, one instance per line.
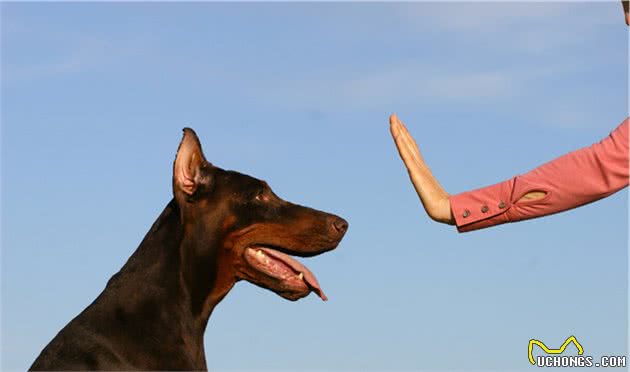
x=406 y=146
x=394 y=125
x=394 y=128
x=408 y=157
x=409 y=144
x=405 y=132
x=400 y=133
x=401 y=142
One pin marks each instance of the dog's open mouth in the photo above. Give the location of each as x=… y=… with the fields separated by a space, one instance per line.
x=292 y=276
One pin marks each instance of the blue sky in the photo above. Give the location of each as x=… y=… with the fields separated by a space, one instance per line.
x=94 y=97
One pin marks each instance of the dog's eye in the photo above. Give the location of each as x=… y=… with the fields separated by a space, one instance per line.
x=262 y=196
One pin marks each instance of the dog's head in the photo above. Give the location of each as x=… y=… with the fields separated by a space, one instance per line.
x=247 y=229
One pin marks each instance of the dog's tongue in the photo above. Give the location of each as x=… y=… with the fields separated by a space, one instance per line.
x=309 y=277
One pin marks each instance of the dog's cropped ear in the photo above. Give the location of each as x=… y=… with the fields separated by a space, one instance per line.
x=189 y=164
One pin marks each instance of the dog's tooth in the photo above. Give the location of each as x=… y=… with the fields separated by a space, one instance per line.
x=260 y=253
x=301 y=276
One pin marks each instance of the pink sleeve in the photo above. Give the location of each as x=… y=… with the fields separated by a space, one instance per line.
x=574 y=179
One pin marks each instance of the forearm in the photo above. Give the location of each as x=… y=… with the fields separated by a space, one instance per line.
x=574 y=179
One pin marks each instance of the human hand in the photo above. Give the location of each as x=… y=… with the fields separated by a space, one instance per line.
x=433 y=197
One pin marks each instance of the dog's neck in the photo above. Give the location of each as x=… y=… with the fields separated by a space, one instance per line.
x=184 y=285
x=206 y=274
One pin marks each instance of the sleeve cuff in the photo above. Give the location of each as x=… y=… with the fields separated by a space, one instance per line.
x=483 y=207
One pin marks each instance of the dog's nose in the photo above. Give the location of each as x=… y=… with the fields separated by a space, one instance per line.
x=340 y=225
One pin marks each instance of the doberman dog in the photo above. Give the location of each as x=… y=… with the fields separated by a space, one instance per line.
x=220 y=227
